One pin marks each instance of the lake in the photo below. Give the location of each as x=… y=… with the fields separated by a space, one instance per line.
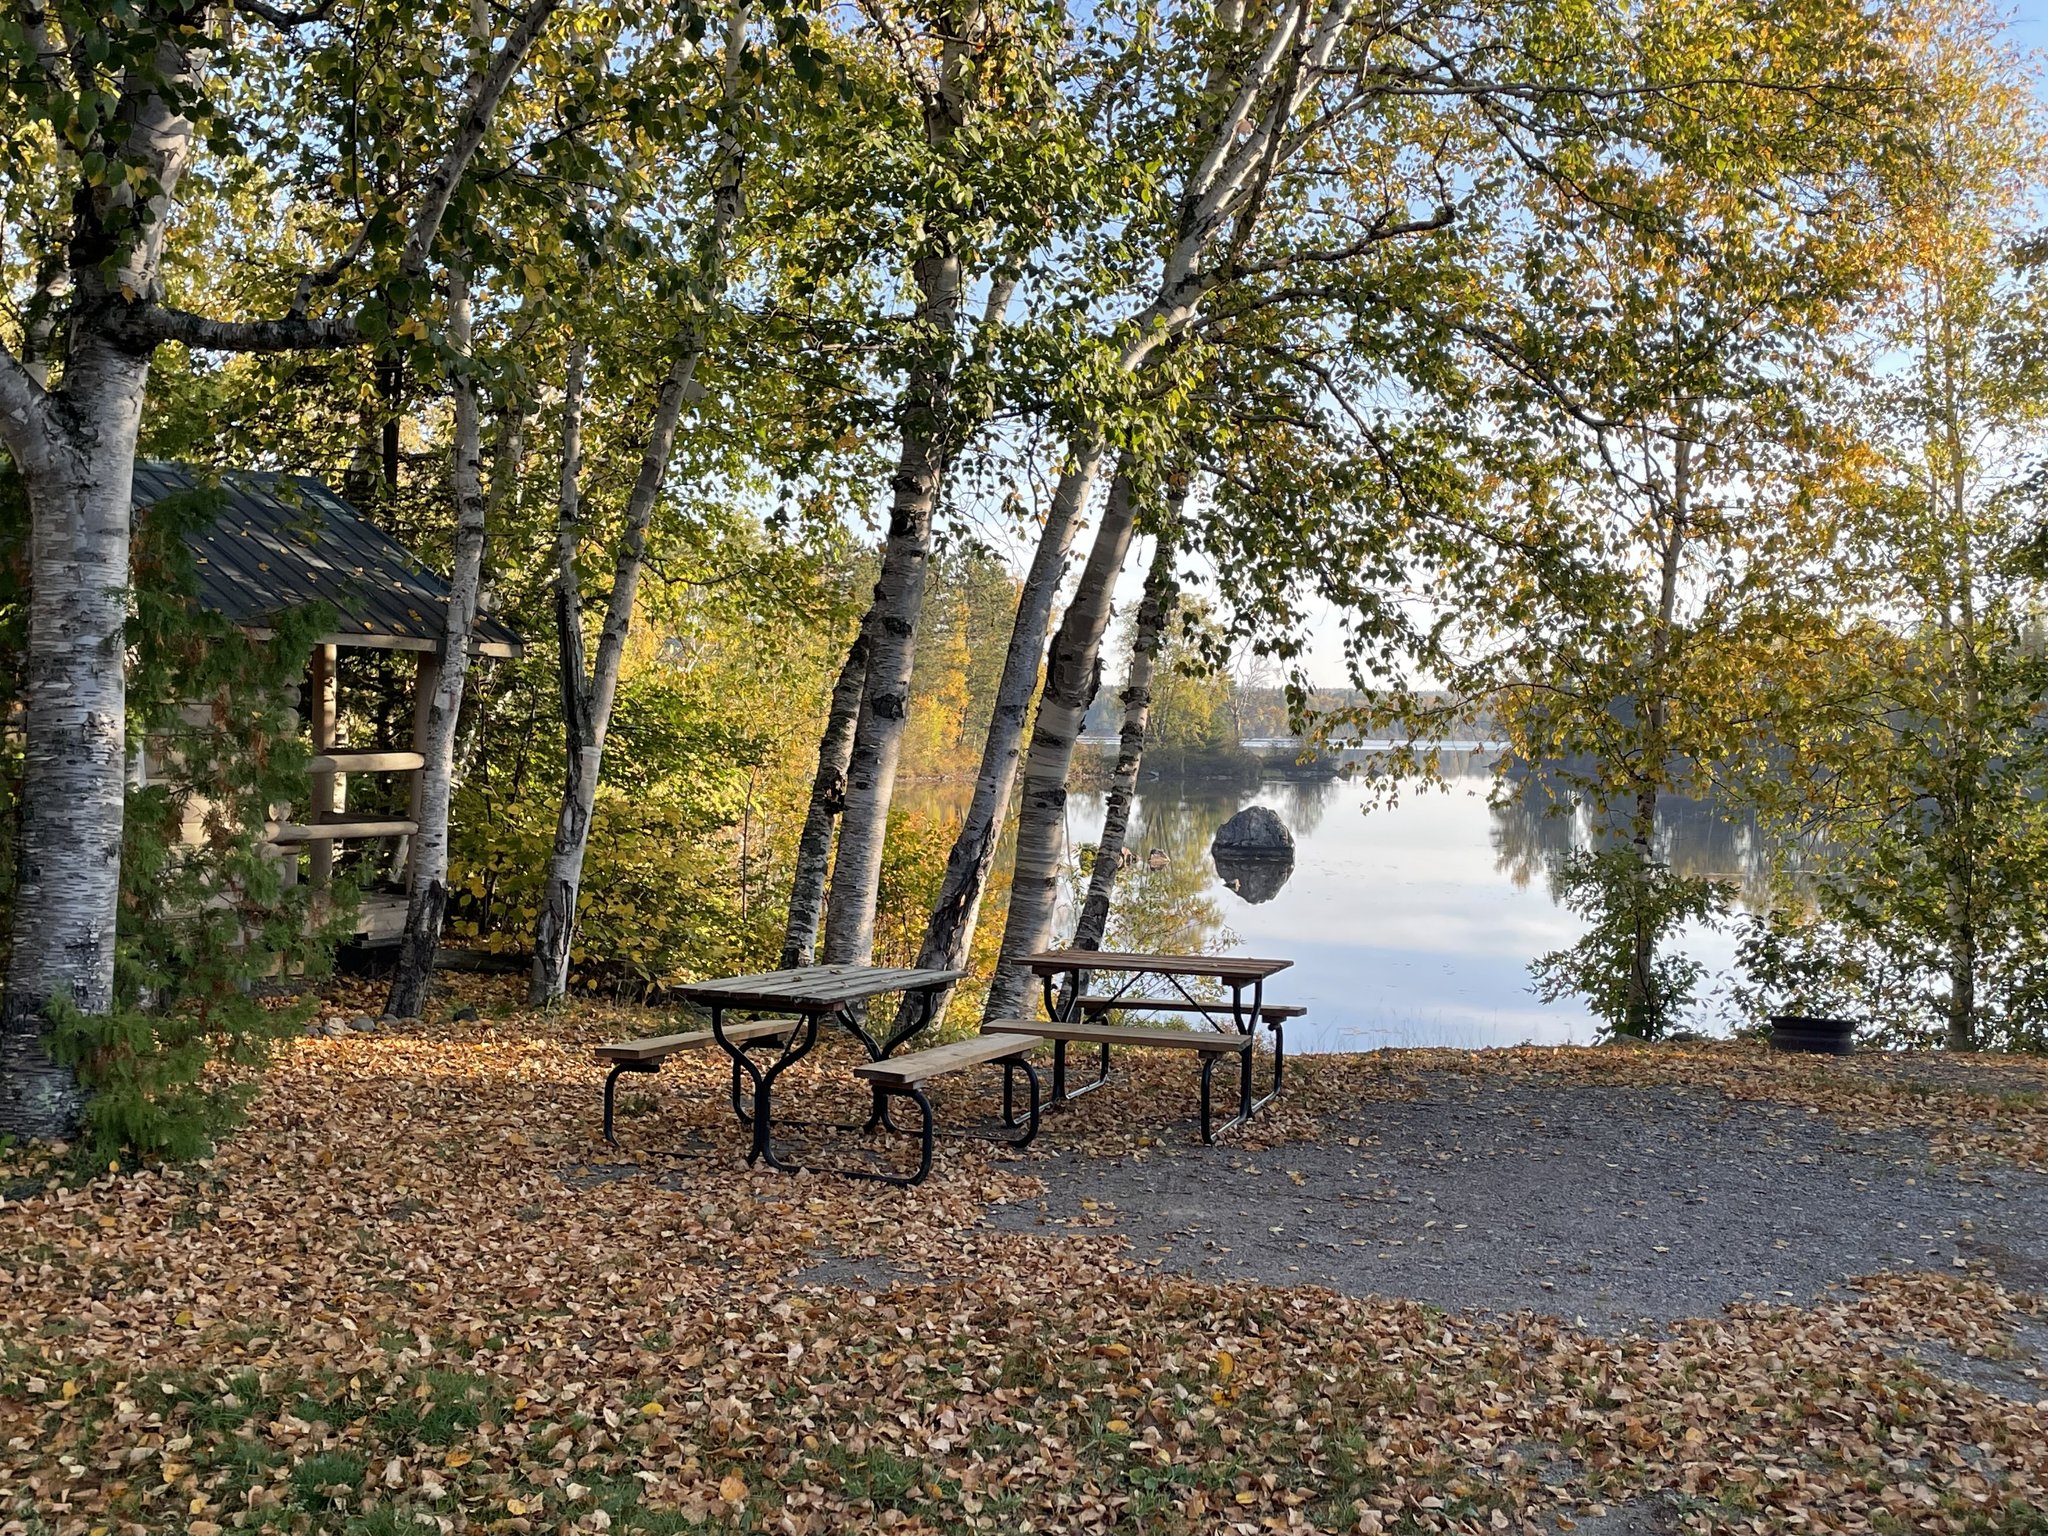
x=1409 y=925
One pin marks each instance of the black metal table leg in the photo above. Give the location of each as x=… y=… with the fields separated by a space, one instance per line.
x=915 y=1093
x=795 y=1046
x=1022 y=1064
x=611 y=1083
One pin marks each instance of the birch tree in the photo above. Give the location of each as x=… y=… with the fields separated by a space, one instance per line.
x=131 y=94
x=925 y=419
x=587 y=696
x=427 y=905
x=1155 y=607
x=1245 y=128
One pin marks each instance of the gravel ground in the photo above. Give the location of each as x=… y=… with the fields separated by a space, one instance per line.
x=1616 y=1208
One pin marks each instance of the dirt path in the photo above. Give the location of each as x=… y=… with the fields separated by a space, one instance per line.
x=1612 y=1207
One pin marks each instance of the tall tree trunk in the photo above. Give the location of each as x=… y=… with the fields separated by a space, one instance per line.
x=1962 y=964
x=75 y=448
x=1153 y=609
x=555 y=929
x=426 y=912
x=1653 y=709
x=835 y=747
x=929 y=433
x=587 y=702
x=828 y=799
x=67 y=896
x=892 y=643
x=1073 y=674
x=949 y=931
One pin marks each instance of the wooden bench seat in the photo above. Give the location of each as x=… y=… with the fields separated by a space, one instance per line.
x=648 y=1054
x=1207 y=1040
x=905 y=1076
x=1213 y=1045
x=1269 y=1012
x=915 y=1067
x=661 y=1047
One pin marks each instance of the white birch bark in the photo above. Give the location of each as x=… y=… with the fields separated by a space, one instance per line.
x=587 y=701
x=1073 y=673
x=588 y=713
x=427 y=908
x=75 y=448
x=554 y=931
x=929 y=432
x=828 y=798
x=949 y=931
x=1136 y=698
x=74 y=721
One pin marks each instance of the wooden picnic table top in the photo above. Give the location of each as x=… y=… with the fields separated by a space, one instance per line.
x=813 y=988
x=1222 y=967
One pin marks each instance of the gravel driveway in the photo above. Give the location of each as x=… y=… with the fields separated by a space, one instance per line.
x=1614 y=1207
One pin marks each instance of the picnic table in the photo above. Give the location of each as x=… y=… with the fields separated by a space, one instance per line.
x=1075 y=1015
x=810 y=995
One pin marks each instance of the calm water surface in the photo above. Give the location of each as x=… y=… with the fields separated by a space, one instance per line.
x=1409 y=925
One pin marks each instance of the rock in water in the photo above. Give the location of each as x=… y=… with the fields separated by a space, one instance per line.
x=1255 y=832
x=1254 y=853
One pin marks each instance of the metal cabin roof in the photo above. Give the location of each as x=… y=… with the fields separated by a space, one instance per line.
x=282 y=540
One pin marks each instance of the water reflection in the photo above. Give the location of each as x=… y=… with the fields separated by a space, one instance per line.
x=1539 y=818
x=1256 y=878
x=1411 y=923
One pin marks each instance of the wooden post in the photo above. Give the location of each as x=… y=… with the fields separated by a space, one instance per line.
x=422 y=705
x=330 y=790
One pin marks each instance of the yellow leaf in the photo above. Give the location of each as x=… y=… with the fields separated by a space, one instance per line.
x=71 y=1389
x=1119 y=1427
x=1247 y=1497
x=652 y=1409
x=515 y=1506
x=1226 y=1362
x=183 y=1319
x=732 y=1488
x=458 y=1459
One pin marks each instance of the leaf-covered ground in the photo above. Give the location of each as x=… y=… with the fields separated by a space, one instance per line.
x=418 y=1293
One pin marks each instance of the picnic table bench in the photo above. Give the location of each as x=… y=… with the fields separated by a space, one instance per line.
x=905 y=1077
x=648 y=1054
x=1075 y=1015
x=818 y=994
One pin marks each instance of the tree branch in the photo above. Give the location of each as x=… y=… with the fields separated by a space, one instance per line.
x=489 y=88
x=278 y=17
x=23 y=405
x=148 y=325
x=1381 y=229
